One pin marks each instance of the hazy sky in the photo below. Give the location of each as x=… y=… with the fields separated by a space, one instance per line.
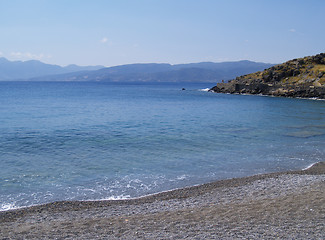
x=115 y=32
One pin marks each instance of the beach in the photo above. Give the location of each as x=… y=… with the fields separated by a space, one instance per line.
x=286 y=205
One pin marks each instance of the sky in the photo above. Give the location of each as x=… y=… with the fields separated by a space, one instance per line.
x=116 y=32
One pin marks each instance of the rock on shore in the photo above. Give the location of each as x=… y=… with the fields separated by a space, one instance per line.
x=303 y=77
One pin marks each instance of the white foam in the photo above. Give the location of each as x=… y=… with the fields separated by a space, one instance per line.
x=182 y=177
x=313 y=98
x=89 y=189
x=121 y=197
x=204 y=90
x=309 y=166
x=7 y=206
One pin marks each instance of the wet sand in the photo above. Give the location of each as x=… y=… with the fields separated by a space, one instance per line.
x=288 y=205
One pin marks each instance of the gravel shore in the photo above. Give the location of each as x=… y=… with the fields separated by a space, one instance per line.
x=289 y=205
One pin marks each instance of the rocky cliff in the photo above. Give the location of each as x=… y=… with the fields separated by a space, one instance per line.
x=303 y=77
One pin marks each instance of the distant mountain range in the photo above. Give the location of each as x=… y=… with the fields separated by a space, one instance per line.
x=150 y=72
x=19 y=70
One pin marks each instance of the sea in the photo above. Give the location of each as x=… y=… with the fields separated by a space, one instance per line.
x=97 y=141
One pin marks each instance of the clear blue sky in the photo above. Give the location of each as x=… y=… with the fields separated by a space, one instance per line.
x=115 y=32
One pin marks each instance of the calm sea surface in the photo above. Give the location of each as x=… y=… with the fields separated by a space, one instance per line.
x=87 y=141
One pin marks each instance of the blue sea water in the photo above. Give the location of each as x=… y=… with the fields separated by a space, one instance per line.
x=90 y=141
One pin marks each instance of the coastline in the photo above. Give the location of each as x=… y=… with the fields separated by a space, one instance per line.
x=268 y=95
x=274 y=205
x=297 y=78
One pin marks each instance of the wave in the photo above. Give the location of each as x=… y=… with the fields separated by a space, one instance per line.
x=8 y=206
x=204 y=89
x=310 y=166
x=172 y=193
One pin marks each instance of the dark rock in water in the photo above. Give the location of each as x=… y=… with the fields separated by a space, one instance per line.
x=304 y=77
x=183 y=89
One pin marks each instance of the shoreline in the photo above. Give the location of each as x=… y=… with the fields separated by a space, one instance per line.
x=289 y=204
x=269 y=95
x=168 y=193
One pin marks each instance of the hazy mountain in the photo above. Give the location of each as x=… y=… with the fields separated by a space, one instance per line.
x=19 y=70
x=154 y=72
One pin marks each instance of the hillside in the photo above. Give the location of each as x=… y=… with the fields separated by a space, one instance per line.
x=163 y=72
x=302 y=77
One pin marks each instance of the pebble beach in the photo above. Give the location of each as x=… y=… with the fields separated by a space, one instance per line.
x=286 y=205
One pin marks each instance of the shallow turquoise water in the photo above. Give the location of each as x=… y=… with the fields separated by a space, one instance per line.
x=86 y=141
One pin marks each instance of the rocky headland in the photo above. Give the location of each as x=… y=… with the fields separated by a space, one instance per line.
x=302 y=77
